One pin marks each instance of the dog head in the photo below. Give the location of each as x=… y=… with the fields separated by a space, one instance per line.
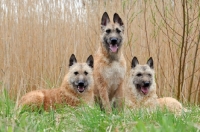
x=80 y=75
x=112 y=33
x=142 y=76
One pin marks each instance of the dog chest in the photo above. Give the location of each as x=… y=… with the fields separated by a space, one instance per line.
x=114 y=73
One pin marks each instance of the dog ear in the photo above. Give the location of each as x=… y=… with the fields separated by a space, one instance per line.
x=134 y=62
x=90 y=61
x=72 y=60
x=117 y=19
x=150 y=62
x=105 y=19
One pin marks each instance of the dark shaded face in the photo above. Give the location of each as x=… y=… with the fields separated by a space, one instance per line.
x=112 y=33
x=112 y=39
x=142 y=75
x=80 y=74
x=143 y=78
x=80 y=82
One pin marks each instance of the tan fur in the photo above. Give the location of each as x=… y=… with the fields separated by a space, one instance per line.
x=109 y=79
x=134 y=99
x=109 y=72
x=66 y=94
x=171 y=104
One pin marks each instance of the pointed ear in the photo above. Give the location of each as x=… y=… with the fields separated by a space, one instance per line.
x=134 y=62
x=150 y=62
x=117 y=19
x=105 y=19
x=72 y=60
x=90 y=61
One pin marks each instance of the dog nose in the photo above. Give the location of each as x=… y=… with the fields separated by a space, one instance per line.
x=113 y=40
x=146 y=84
x=81 y=83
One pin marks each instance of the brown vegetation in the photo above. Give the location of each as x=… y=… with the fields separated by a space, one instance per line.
x=37 y=39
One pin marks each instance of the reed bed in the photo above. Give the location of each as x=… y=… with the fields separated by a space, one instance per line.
x=37 y=38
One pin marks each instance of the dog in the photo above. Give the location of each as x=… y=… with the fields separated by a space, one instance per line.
x=141 y=91
x=76 y=88
x=110 y=64
x=171 y=104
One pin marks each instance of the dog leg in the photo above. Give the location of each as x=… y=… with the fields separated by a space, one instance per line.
x=120 y=97
x=103 y=93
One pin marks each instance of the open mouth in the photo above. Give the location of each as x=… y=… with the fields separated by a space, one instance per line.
x=113 y=48
x=143 y=89
x=81 y=89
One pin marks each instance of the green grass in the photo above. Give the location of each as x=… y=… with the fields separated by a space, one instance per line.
x=93 y=119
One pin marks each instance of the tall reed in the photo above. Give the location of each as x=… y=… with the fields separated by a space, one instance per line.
x=37 y=37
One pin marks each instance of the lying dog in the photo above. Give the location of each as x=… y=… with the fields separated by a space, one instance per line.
x=141 y=91
x=77 y=87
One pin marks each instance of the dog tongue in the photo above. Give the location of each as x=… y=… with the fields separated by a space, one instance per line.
x=81 y=89
x=145 y=90
x=113 y=48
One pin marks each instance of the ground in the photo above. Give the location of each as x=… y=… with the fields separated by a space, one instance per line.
x=93 y=119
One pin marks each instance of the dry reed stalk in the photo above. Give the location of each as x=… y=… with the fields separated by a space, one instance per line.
x=37 y=38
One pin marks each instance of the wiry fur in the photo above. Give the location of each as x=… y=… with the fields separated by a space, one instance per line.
x=109 y=63
x=171 y=104
x=136 y=98
x=141 y=76
x=76 y=88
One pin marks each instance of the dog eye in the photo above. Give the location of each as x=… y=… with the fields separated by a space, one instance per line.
x=149 y=75
x=76 y=73
x=85 y=72
x=118 y=30
x=108 y=31
x=139 y=74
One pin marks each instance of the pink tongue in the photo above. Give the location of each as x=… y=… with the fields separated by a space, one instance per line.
x=145 y=90
x=81 y=88
x=113 y=48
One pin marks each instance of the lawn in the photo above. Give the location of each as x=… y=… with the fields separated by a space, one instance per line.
x=37 y=38
x=93 y=119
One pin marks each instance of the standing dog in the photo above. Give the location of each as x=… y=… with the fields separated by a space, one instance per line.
x=141 y=92
x=76 y=87
x=109 y=64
